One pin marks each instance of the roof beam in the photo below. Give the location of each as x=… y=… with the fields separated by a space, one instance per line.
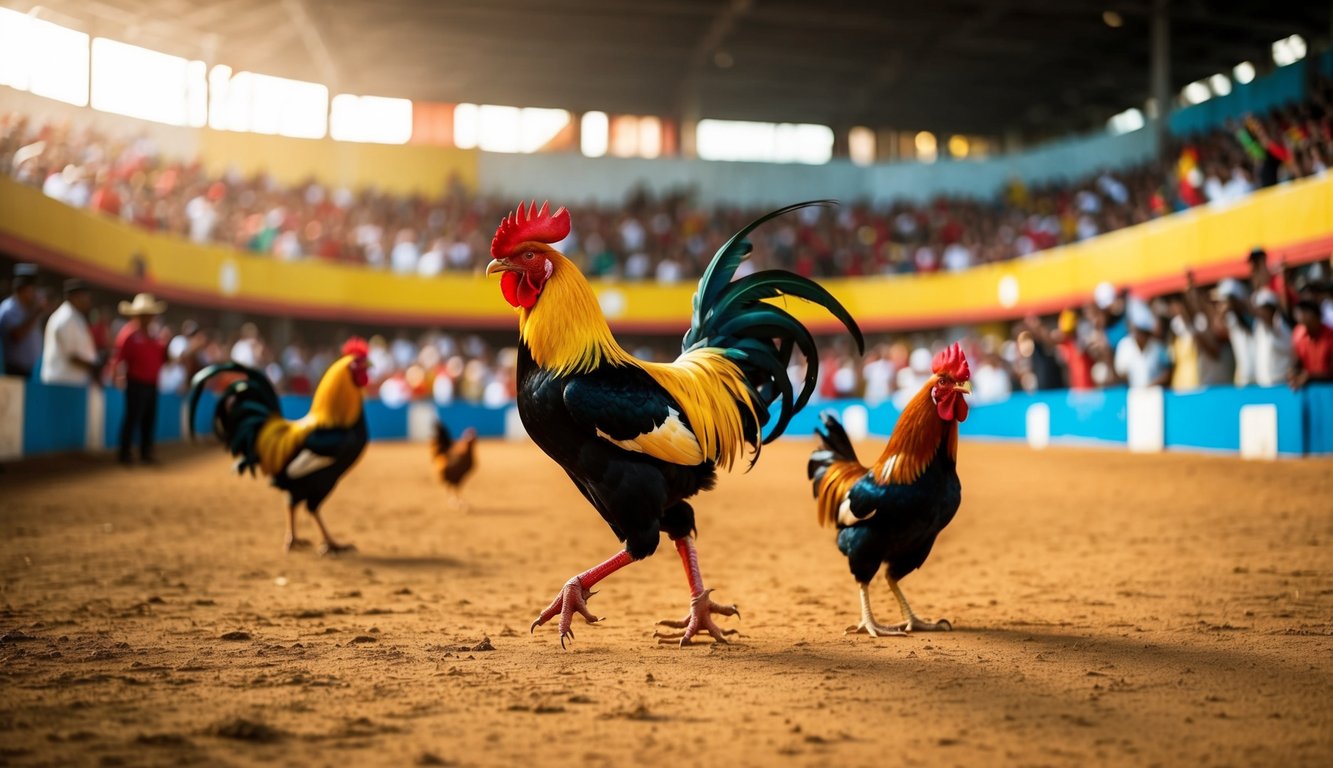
x=313 y=39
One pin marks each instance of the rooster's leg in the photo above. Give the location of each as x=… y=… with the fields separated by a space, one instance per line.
x=868 y=625
x=329 y=546
x=291 y=541
x=702 y=608
x=573 y=597
x=910 y=621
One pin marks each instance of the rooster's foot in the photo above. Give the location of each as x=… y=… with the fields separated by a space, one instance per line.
x=915 y=624
x=901 y=629
x=700 y=619
x=295 y=543
x=572 y=599
x=333 y=548
x=875 y=630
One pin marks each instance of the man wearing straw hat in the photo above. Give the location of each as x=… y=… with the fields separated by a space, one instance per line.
x=143 y=356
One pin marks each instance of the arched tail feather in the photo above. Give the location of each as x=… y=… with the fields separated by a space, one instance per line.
x=758 y=336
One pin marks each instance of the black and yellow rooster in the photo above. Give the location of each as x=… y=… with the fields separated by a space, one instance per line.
x=307 y=457
x=639 y=438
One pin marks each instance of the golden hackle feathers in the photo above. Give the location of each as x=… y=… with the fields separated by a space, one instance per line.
x=711 y=392
x=915 y=439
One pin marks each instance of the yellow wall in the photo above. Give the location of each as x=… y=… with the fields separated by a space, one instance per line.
x=400 y=168
x=1296 y=220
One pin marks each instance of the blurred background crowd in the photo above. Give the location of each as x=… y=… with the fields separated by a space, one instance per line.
x=668 y=238
x=1273 y=329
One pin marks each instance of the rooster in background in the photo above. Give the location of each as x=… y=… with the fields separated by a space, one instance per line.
x=640 y=438
x=453 y=460
x=306 y=457
x=891 y=512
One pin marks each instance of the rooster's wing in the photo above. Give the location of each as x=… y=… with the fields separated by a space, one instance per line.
x=627 y=408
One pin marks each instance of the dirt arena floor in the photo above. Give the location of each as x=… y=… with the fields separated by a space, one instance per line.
x=1108 y=609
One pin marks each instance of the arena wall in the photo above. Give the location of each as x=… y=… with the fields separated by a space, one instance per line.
x=42 y=419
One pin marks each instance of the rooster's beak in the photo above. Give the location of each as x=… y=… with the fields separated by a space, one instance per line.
x=497 y=266
x=965 y=388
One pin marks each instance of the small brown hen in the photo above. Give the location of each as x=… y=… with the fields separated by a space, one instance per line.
x=453 y=460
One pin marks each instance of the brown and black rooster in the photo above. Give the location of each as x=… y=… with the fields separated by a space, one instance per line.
x=453 y=460
x=888 y=514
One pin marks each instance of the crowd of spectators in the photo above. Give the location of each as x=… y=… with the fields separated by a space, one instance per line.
x=668 y=238
x=432 y=365
x=1273 y=329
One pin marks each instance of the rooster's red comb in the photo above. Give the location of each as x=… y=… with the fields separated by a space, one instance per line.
x=532 y=225
x=357 y=347
x=952 y=362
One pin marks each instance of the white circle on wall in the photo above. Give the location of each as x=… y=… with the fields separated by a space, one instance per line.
x=1008 y=291
x=229 y=278
x=613 y=303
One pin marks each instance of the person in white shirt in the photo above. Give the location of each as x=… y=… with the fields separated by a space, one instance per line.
x=1236 y=325
x=1272 y=341
x=70 y=355
x=991 y=381
x=1140 y=359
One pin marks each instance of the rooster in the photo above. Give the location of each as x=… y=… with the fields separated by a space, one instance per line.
x=306 y=458
x=638 y=438
x=891 y=512
x=453 y=460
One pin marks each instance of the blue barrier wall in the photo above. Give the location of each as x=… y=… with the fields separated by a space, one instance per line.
x=1210 y=418
x=1319 y=420
x=167 y=429
x=64 y=414
x=489 y=422
x=55 y=418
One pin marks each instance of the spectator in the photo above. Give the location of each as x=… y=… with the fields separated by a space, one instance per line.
x=1077 y=362
x=1262 y=277
x=70 y=355
x=1272 y=341
x=1186 y=347
x=142 y=355
x=1037 y=344
x=1140 y=359
x=1217 y=366
x=21 y=323
x=1311 y=346
x=1234 y=323
x=990 y=380
x=172 y=378
x=187 y=348
x=877 y=370
x=248 y=348
x=405 y=254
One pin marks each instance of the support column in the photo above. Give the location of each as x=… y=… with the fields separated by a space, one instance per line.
x=688 y=117
x=1160 y=65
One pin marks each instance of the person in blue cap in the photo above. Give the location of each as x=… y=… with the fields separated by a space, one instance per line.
x=22 y=317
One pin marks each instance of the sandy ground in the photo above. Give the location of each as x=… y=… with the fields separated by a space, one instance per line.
x=1109 y=609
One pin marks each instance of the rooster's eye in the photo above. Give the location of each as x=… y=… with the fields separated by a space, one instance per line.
x=528 y=255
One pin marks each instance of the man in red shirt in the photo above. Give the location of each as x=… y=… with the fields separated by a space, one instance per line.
x=1311 y=347
x=142 y=355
